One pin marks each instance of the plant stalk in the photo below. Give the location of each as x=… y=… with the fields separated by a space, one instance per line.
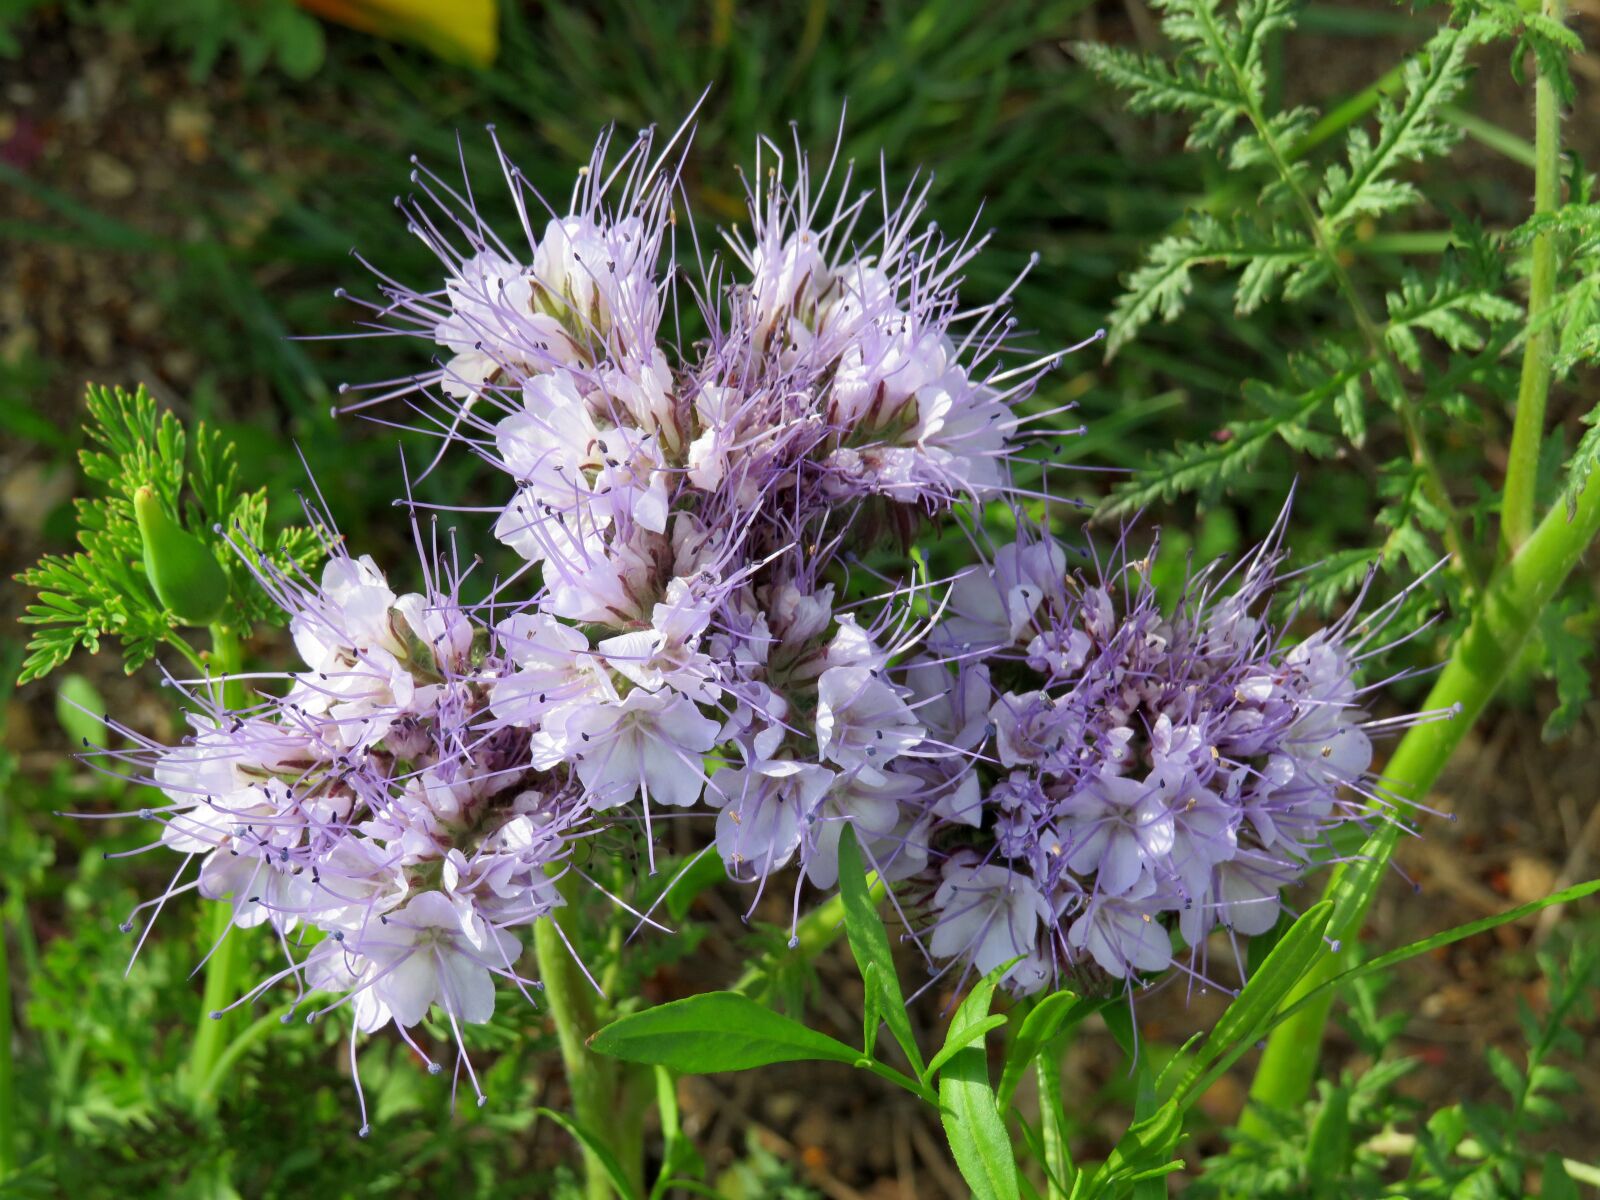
x=1504 y=617
x=598 y=1106
x=222 y=968
x=1527 y=431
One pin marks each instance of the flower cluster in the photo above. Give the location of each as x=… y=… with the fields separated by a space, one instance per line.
x=1153 y=772
x=685 y=512
x=374 y=803
x=683 y=634
x=1054 y=768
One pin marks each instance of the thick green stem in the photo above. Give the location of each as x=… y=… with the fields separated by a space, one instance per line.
x=1522 y=471
x=222 y=968
x=227 y=659
x=598 y=1105
x=1500 y=626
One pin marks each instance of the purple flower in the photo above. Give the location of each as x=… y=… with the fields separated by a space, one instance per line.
x=649 y=743
x=765 y=808
x=1152 y=770
x=989 y=914
x=1118 y=829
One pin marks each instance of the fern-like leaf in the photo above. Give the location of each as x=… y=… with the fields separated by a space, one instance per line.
x=102 y=591
x=1407 y=132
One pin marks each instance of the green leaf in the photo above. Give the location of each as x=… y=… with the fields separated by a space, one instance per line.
x=1409 y=132
x=968 y=1107
x=1267 y=257
x=78 y=708
x=1505 y=1072
x=1583 y=462
x=1205 y=468
x=678 y=1155
x=1144 y=1150
x=1047 y=1018
x=1383 y=962
x=869 y=943
x=596 y=1147
x=717 y=1031
x=1250 y=1015
x=1358 y=881
x=1328 y=1148
x=1557 y=1184
x=1144 y=1176
x=957 y=1041
x=102 y=592
x=297 y=39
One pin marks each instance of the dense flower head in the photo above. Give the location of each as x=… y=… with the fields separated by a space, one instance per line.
x=684 y=509
x=1154 y=771
x=369 y=810
x=683 y=635
x=1050 y=765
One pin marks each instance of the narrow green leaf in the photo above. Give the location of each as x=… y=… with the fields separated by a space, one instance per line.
x=678 y=1155
x=1250 y=1014
x=959 y=1041
x=1050 y=1016
x=1462 y=932
x=1557 y=1184
x=869 y=943
x=717 y=1031
x=78 y=709
x=1145 y=1179
x=968 y=1108
x=1144 y=1150
x=1383 y=962
x=599 y=1149
x=1328 y=1150
x=1359 y=881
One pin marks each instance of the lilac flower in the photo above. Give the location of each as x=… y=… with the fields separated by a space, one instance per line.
x=991 y=915
x=1123 y=934
x=862 y=721
x=428 y=954
x=1117 y=829
x=1153 y=771
x=650 y=743
x=765 y=807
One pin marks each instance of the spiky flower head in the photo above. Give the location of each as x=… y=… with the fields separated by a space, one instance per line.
x=684 y=633
x=1155 y=771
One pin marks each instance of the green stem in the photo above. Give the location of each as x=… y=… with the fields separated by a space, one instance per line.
x=188 y=651
x=227 y=659
x=1504 y=617
x=222 y=969
x=598 y=1105
x=213 y=1034
x=1522 y=471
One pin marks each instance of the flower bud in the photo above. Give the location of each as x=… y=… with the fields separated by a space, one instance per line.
x=185 y=575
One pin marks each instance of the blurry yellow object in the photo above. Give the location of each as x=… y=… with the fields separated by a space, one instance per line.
x=465 y=30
